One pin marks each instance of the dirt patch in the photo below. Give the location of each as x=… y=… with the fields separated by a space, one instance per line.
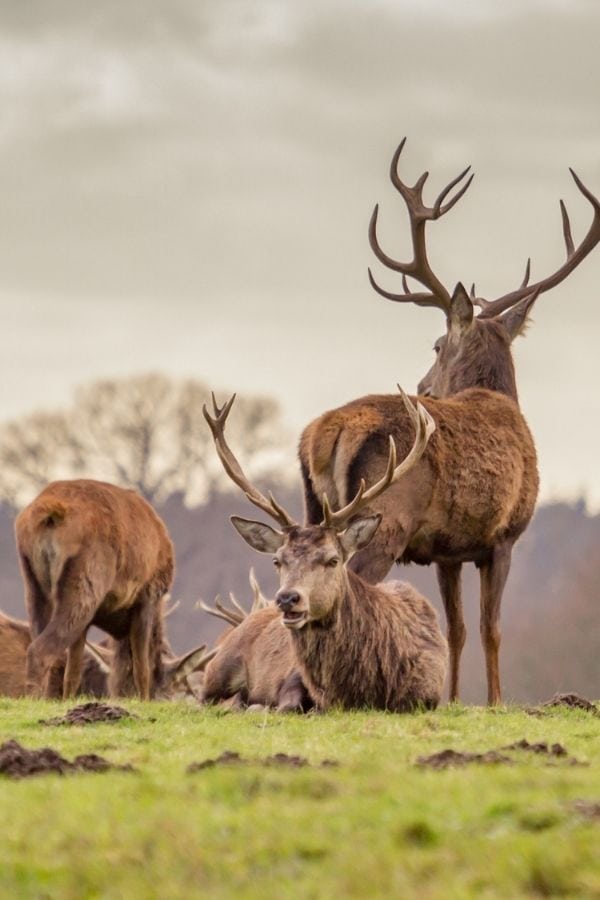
x=18 y=762
x=88 y=713
x=540 y=747
x=230 y=757
x=447 y=759
x=283 y=759
x=588 y=809
x=570 y=701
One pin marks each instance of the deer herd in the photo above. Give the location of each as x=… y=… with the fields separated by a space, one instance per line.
x=447 y=477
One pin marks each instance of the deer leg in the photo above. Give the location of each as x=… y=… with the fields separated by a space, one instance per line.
x=142 y=621
x=73 y=610
x=448 y=575
x=39 y=610
x=493 y=574
x=74 y=666
x=293 y=696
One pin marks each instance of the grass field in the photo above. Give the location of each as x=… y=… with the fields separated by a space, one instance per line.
x=376 y=825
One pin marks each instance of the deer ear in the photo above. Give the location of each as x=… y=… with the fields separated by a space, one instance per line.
x=516 y=319
x=358 y=534
x=261 y=537
x=461 y=311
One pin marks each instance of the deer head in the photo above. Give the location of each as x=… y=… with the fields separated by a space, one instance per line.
x=475 y=351
x=311 y=560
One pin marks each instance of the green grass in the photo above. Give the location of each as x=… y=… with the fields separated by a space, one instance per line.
x=375 y=826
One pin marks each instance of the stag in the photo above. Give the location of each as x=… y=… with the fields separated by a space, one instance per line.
x=354 y=644
x=474 y=491
x=92 y=553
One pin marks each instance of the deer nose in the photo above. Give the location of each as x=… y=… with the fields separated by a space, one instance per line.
x=287 y=599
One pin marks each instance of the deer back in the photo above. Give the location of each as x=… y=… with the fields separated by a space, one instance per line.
x=477 y=478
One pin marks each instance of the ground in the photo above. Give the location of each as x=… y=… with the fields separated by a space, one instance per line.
x=374 y=825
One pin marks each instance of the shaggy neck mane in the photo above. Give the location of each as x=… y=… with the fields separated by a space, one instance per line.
x=491 y=367
x=335 y=654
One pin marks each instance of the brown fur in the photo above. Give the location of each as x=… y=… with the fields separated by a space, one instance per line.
x=352 y=644
x=471 y=495
x=381 y=648
x=256 y=665
x=15 y=638
x=94 y=554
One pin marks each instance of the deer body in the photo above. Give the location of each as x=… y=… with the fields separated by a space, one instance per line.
x=354 y=644
x=381 y=647
x=256 y=664
x=93 y=554
x=456 y=504
x=474 y=491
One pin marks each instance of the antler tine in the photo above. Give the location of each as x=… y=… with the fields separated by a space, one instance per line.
x=440 y=210
x=235 y=602
x=419 y=214
x=525 y=281
x=424 y=428
x=219 y=611
x=260 y=601
x=169 y=610
x=233 y=468
x=575 y=255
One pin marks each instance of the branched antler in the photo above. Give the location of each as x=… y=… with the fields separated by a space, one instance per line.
x=575 y=255
x=419 y=214
x=424 y=428
x=216 y=424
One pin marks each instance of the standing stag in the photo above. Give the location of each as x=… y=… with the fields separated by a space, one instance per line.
x=473 y=493
x=92 y=553
x=354 y=644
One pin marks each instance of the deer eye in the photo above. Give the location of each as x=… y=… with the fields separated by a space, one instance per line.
x=436 y=348
x=332 y=563
x=276 y=563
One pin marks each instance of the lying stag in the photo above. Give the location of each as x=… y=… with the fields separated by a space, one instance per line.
x=94 y=554
x=473 y=493
x=354 y=644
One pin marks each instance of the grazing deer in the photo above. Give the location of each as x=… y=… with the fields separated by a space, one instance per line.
x=354 y=644
x=15 y=639
x=94 y=554
x=473 y=493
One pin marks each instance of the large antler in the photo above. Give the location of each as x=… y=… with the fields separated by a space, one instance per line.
x=233 y=468
x=424 y=427
x=574 y=256
x=419 y=214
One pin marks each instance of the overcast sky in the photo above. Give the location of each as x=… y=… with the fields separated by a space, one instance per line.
x=186 y=187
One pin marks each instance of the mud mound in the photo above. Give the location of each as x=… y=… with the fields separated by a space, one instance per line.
x=446 y=759
x=87 y=713
x=230 y=757
x=282 y=759
x=540 y=747
x=588 y=809
x=18 y=762
x=572 y=701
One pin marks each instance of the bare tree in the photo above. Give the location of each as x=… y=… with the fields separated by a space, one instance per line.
x=146 y=432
